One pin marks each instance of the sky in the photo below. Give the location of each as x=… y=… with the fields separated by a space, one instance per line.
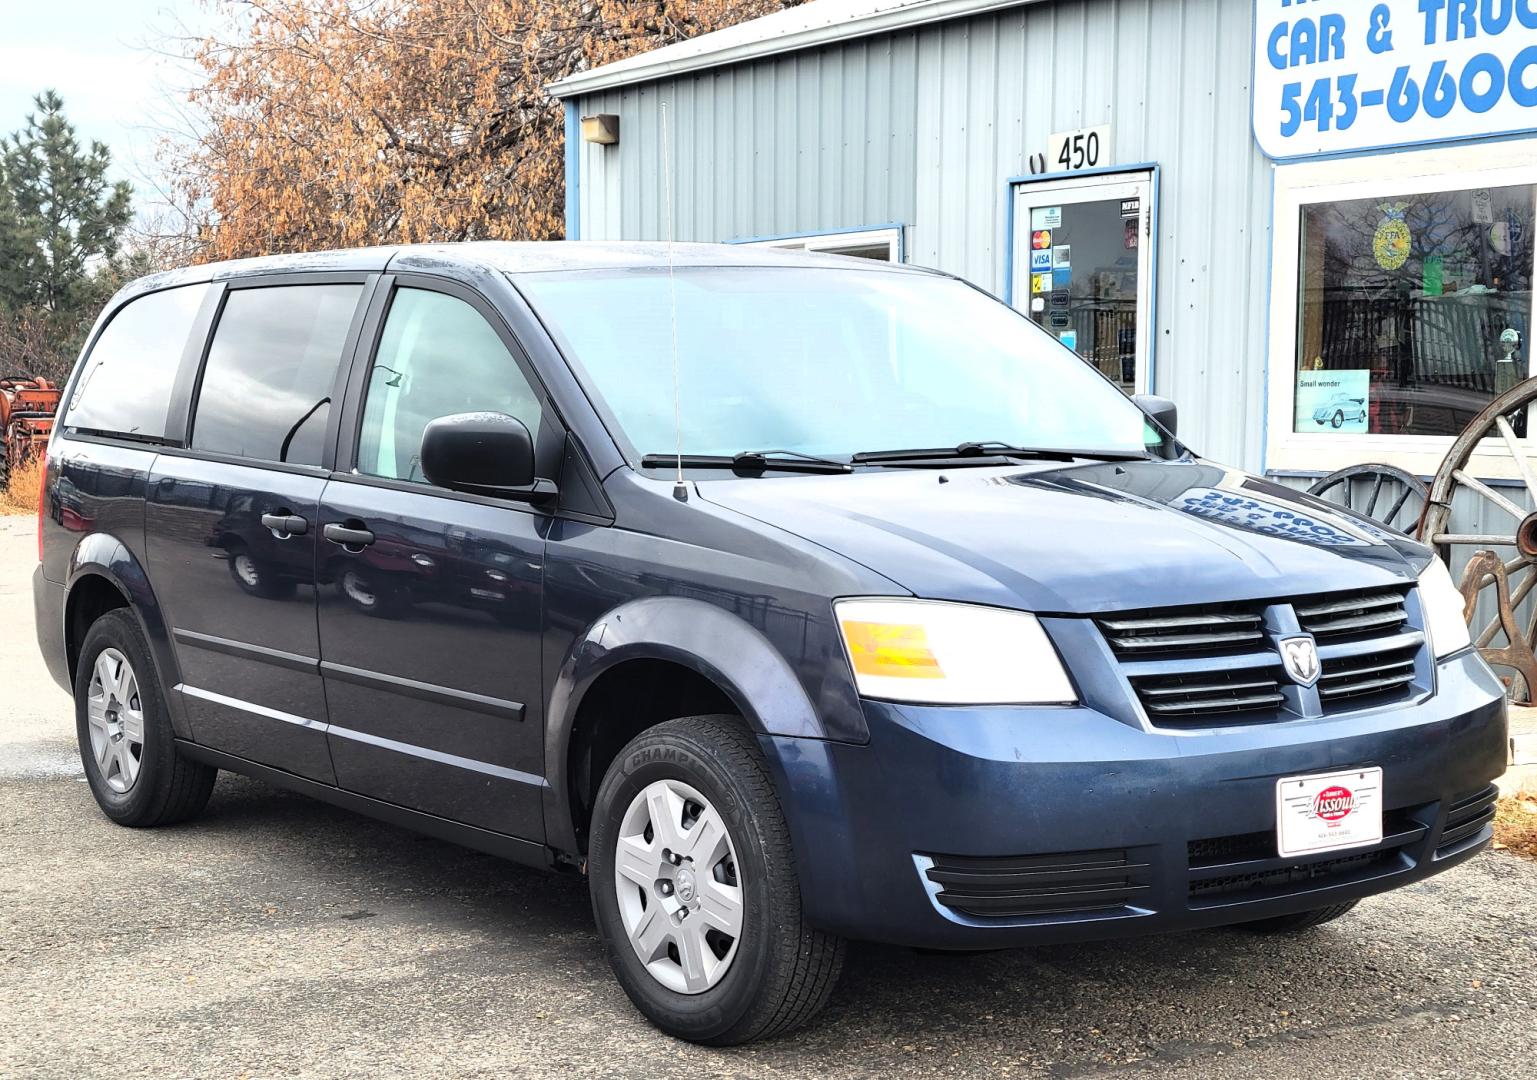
x=99 y=55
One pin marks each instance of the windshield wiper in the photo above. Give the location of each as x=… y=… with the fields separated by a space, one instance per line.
x=991 y=449
x=749 y=461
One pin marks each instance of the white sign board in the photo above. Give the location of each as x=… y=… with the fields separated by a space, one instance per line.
x=1342 y=75
x=1086 y=148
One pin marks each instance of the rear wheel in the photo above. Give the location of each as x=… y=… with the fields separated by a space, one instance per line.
x=694 y=888
x=1302 y=920
x=136 y=773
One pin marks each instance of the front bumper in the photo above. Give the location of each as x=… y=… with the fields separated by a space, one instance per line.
x=1023 y=789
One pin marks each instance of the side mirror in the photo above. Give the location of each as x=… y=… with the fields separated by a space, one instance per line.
x=1160 y=410
x=483 y=453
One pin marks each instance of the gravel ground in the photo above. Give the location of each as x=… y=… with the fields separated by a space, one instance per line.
x=280 y=937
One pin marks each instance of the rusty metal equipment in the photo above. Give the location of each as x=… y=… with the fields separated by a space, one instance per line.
x=28 y=406
x=1502 y=571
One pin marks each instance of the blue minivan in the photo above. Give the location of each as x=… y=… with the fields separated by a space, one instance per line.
x=790 y=599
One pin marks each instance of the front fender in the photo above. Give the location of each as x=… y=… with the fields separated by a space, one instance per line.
x=717 y=644
x=104 y=555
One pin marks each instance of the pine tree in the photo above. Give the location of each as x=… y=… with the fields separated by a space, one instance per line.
x=60 y=218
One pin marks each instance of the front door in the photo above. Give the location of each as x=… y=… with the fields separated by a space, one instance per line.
x=231 y=526
x=430 y=601
x=1082 y=268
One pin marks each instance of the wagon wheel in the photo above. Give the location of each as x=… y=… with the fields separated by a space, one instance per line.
x=1505 y=573
x=1387 y=495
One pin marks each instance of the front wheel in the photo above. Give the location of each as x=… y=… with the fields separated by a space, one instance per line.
x=694 y=888
x=1339 y=418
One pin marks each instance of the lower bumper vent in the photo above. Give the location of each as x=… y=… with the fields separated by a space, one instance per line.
x=1284 y=879
x=1020 y=885
x=1246 y=866
x=1467 y=819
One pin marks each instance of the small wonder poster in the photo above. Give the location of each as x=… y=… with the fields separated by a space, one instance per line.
x=1334 y=402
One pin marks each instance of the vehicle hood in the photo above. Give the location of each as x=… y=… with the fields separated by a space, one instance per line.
x=1083 y=538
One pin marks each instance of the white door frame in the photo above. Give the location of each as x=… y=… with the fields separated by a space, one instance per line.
x=1090 y=185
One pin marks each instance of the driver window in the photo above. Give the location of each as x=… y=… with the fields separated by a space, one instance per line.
x=438 y=356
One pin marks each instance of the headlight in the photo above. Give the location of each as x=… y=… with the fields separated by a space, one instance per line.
x=1443 y=610
x=950 y=654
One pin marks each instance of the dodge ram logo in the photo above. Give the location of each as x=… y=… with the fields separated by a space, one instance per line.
x=1301 y=659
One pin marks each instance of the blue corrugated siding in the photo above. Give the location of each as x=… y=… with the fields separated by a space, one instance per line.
x=924 y=127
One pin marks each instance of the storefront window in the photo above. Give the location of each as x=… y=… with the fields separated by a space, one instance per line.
x=1414 y=310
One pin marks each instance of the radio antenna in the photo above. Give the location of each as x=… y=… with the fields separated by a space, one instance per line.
x=679 y=488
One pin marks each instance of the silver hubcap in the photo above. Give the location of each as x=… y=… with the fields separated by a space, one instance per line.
x=353 y=586
x=115 y=716
x=680 y=897
x=246 y=568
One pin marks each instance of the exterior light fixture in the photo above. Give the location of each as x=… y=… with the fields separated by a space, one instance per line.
x=602 y=129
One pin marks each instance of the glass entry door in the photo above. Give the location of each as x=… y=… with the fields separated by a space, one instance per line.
x=1082 y=268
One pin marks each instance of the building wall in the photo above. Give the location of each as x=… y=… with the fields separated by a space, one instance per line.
x=925 y=128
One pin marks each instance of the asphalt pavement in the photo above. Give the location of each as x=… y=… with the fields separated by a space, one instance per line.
x=279 y=937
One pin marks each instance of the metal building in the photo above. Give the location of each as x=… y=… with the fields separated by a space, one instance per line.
x=1233 y=204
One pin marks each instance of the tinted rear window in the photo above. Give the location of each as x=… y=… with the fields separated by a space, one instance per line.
x=266 y=390
x=125 y=388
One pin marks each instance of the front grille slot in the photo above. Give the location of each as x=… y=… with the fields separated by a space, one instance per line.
x=1374 y=673
x=1285 y=878
x=1467 y=817
x=1364 y=614
x=1398 y=827
x=1220 y=850
x=1254 y=868
x=1141 y=637
x=1023 y=885
x=1209 y=693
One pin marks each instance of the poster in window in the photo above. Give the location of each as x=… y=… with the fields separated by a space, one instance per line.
x=1333 y=401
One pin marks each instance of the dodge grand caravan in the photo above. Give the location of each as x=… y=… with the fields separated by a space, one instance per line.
x=791 y=599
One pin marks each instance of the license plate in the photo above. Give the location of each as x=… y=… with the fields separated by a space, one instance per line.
x=1328 y=812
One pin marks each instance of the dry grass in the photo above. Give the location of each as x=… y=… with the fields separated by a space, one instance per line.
x=1515 y=824
x=20 y=495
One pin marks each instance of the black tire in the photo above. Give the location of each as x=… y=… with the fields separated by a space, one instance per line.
x=1337 y=419
x=784 y=970
x=1302 y=920
x=169 y=787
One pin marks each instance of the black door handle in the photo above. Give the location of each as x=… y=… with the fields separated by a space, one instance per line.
x=284 y=525
x=347 y=536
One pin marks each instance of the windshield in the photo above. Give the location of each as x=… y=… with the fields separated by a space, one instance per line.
x=824 y=361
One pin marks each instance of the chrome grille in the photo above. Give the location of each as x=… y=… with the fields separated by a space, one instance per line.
x=1194 y=667
x=1359 y=614
x=1205 y=693
x=1367 y=674
x=1142 y=636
